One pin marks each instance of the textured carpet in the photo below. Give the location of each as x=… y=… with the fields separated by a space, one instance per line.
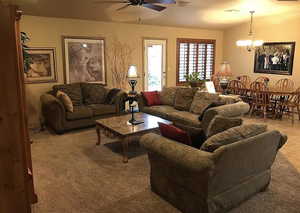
x=73 y=175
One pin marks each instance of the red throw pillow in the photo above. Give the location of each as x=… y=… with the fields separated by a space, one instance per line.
x=172 y=132
x=152 y=98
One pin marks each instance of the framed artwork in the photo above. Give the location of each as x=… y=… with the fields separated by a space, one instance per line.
x=42 y=67
x=84 y=59
x=275 y=58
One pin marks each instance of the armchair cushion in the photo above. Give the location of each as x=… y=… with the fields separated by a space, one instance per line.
x=80 y=112
x=93 y=93
x=66 y=100
x=202 y=100
x=72 y=90
x=184 y=98
x=102 y=109
x=167 y=95
x=232 y=135
x=172 y=132
x=220 y=124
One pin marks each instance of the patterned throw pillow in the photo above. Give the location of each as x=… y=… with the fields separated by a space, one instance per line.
x=172 y=132
x=220 y=124
x=93 y=93
x=72 y=90
x=184 y=98
x=202 y=100
x=66 y=100
x=167 y=96
x=232 y=135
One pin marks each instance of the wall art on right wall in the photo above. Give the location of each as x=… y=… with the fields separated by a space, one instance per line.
x=275 y=58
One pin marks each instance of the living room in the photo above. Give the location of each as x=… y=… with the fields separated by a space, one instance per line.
x=77 y=167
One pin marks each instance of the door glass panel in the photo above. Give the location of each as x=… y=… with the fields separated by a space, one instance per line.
x=154 y=68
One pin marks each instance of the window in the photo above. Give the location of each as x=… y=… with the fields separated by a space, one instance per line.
x=194 y=55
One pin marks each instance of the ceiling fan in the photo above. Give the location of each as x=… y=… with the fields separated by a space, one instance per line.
x=151 y=4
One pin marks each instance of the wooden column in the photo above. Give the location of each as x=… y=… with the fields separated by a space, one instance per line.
x=16 y=183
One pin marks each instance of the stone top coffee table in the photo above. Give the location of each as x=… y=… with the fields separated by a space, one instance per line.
x=117 y=126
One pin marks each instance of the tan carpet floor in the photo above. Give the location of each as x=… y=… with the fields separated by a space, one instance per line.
x=73 y=175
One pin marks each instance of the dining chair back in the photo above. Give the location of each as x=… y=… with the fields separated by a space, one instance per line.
x=245 y=79
x=284 y=85
x=236 y=87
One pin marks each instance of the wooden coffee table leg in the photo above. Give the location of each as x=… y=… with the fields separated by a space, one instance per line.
x=99 y=135
x=125 y=149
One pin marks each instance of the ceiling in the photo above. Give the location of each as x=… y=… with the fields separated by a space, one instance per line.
x=206 y=14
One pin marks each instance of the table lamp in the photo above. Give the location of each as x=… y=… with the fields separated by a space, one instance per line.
x=224 y=75
x=132 y=76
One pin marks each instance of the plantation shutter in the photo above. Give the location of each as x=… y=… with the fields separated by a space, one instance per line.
x=195 y=56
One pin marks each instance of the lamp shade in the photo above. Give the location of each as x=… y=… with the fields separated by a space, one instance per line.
x=225 y=69
x=132 y=72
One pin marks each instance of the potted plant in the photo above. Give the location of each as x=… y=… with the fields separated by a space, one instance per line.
x=194 y=80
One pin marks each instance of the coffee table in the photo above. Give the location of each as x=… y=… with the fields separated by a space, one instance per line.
x=118 y=127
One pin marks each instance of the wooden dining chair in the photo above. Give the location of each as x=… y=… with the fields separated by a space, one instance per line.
x=284 y=85
x=260 y=98
x=235 y=87
x=290 y=105
x=245 y=79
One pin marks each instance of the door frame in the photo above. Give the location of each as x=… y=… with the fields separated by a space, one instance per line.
x=143 y=59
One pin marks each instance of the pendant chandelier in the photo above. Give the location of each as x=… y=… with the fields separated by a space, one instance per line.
x=250 y=43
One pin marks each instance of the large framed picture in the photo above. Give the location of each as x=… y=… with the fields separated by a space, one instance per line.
x=42 y=67
x=84 y=59
x=275 y=58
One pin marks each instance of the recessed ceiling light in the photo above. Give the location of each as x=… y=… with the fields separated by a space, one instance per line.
x=232 y=11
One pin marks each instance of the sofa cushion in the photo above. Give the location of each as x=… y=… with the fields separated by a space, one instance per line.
x=184 y=98
x=232 y=135
x=66 y=100
x=163 y=111
x=202 y=100
x=72 y=90
x=93 y=93
x=80 y=112
x=185 y=118
x=152 y=98
x=220 y=124
x=102 y=109
x=172 y=132
x=167 y=95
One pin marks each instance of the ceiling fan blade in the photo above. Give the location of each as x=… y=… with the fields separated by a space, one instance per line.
x=154 y=7
x=122 y=8
x=111 y=2
x=160 y=1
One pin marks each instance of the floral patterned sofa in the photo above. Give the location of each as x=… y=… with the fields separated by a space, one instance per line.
x=189 y=109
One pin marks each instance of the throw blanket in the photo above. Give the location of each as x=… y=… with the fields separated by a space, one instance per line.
x=110 y=97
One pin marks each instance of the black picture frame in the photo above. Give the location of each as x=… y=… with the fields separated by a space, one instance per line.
x=275 y=58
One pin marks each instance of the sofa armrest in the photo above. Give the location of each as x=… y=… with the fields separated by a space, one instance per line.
x=183 y=156
x=54 y=112
x=119 y=101
x=228 y=110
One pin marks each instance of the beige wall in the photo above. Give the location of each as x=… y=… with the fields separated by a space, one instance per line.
x=275 y=29
x=47 y=32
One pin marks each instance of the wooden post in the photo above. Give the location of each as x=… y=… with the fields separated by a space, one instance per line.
x=15 y=190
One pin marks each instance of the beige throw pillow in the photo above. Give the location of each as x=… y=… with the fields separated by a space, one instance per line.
x=232 y=135
x=66 y=100
x=184 y=98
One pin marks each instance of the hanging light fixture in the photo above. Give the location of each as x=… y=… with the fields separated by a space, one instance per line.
x=250 y=44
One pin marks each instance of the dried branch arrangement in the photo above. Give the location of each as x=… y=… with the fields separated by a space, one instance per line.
x=119 y=59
